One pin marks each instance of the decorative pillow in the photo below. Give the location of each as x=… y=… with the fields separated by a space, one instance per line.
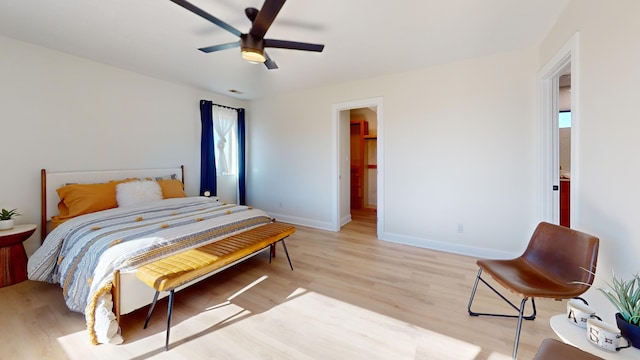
x=171 y=189
x=137 y=192
x=79 y=199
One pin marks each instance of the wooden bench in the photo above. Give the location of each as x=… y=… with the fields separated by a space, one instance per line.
x=173 y=271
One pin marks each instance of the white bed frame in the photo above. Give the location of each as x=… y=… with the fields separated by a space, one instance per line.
x=128 y=292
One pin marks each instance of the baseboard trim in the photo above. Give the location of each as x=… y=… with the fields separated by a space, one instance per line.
x=447 y=247
x=322 y=225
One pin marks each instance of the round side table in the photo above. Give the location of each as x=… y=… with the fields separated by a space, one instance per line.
x=577 y=337
x=13 y=257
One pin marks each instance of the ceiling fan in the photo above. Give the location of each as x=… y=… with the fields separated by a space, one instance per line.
x=252 y=44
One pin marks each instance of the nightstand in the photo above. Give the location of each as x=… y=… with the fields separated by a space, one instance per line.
x=13 y=257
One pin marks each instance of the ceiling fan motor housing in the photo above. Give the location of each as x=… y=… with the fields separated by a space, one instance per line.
x=251 y=43
x=252 y=48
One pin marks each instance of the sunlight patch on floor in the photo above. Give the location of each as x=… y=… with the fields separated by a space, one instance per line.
x=308 y=325
x=497 y=356
x=342 y=328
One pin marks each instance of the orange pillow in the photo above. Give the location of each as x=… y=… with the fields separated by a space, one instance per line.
x=79 y=199
x=171 y=189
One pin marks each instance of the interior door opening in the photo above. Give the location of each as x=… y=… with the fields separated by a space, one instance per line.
x=559 y=94
x=363 y=165
x=362 y=170
x=359 y=177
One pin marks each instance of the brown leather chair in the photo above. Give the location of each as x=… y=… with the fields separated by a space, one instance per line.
x=559 y=263
x=552 y=349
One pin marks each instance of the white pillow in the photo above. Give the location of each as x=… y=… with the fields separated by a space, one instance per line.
x=137 y=192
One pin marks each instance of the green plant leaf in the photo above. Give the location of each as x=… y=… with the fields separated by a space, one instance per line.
x=625 y=296
x=8 y=214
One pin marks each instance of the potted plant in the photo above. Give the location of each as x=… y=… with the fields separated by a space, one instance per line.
x=6 y=218
x=625 y=296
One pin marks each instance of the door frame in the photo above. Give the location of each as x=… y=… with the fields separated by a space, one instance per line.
x=336 y=109
x=566 y=59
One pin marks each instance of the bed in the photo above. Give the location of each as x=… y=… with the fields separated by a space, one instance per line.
x=94 y=255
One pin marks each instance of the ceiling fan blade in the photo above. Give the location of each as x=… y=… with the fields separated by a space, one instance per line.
x=210 y=49
x=265 y=17
x=196 y=10
x=293 y=45
x=270 y=64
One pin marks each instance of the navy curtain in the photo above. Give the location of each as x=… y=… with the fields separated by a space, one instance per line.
x=242 y=192
x=207 y=156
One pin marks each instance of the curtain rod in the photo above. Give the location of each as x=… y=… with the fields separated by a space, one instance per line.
x=225 y=106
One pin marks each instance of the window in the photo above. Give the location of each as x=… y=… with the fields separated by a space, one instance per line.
x=225 y=139
x=564 y=119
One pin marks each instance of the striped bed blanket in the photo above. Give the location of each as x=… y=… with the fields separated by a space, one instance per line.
x=82 y=253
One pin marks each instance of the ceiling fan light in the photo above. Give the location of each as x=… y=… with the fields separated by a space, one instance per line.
x=253 y=55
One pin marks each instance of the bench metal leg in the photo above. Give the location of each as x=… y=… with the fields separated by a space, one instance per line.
x=287 y=253
x=169 y=308
x=153 y=305
x=272 y=252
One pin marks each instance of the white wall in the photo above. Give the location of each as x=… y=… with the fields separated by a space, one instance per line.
x=460 y=144
x=65 y=113
x=607 y=140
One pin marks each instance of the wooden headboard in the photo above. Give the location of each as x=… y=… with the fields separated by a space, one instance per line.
x=50 y=182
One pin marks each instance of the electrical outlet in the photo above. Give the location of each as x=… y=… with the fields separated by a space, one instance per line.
x=460 y=228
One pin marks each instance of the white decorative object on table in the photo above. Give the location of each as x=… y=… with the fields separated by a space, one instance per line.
x=578 y=312
x=6 y=224
x=605 y=336
x=577 y=337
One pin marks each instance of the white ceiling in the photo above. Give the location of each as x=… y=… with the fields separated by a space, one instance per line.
x=362 y=38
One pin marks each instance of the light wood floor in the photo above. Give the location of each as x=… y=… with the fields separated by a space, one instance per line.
x=350 y=296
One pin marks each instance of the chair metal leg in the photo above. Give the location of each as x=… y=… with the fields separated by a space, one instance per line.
x=271 y=252
x=169 y=309
x=153 y=305
x=287 y=253
x=520 y=309
x=519 y=327
x=473 y=293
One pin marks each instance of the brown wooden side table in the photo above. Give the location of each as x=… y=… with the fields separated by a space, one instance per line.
x=13 y=257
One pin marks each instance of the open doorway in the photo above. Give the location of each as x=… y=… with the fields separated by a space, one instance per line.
x=370 y=140
x=363 y=153
x=558 y=172
x=363 y=171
